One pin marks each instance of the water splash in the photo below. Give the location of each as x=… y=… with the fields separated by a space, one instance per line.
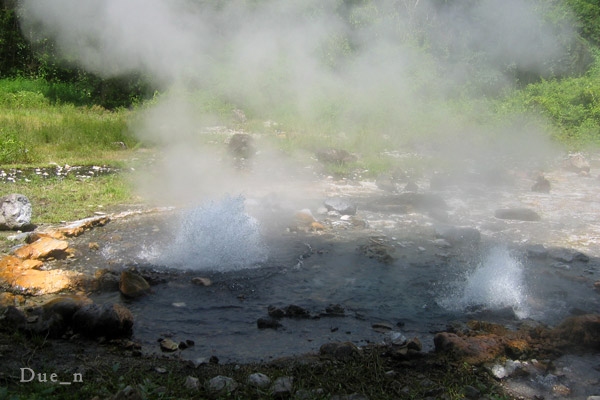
x=497 y=283
x=219 y=236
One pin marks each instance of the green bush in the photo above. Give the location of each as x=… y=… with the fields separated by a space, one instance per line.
x=12 y=150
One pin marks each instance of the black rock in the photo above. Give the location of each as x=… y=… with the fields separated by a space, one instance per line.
x=267 y=323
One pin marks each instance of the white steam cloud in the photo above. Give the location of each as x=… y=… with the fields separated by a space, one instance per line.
x=355 y=65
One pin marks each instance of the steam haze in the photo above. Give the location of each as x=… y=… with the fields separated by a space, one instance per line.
x=358 y=68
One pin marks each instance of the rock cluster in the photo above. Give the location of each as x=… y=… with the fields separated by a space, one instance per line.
x=77 y=314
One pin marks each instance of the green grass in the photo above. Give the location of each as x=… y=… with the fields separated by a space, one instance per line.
x=55 y=200
x=35 y=129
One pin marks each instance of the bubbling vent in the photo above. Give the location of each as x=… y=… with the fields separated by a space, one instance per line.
x=219 y=236
x=496 y=283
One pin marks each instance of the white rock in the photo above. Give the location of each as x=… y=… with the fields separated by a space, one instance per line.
x=283 y=385
x=259 y=380
x=222 y=383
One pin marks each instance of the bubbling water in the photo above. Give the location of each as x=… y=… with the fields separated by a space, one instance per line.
x=496 y=283
x=219 y=236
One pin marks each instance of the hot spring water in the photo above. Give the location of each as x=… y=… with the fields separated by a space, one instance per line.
x=254 y=263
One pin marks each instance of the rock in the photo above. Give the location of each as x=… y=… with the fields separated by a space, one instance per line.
x=537 y=251
x=577 y=163
x=13 y=319
x=9 y=299
x=201 y=281
x=76 y=228
x=44 y=248
x=334 y=310
x=541 y=185
x=343 y=351
x=276 y=312
x=282 y=386
x=392 y=337
x=597 y=286
x=317 y=226
x=128 y=393
x=294 y=311
x=259 y=380
x=472 y=349
x=517 y=214
x=15 y=273
x=107 y=320
x=222 y=384
x=191 y=383
x=305 y=217
x=241 y=145
x=334 y=156
x=341 y=206
x=133 y=285
x=567 y=255
x=378 y=250
x=458 y=235
x=382 y=327
x=472 y=393
x=105 y=281
x=267 y=323
x=15 y=212
x=580 y=331
x=168 y=345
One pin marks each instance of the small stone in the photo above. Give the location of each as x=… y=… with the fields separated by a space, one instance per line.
x=541 y=185
x=294 y=311
x=259 y=380
x=317 y=226
x=201 y=281
x=160 y=370
x=335 y=310
x=342 y=351
x=222 y=384
x=267 y=323
x=382 y=327
x=93 y=246
x=168 y=345
x=561 y=390
x=275 y=312
x=282 y=386
x=133 y=285
x=341 y=206
x=305 y=217
x=191 y=383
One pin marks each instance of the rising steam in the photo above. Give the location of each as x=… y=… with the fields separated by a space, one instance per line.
x=356 y=67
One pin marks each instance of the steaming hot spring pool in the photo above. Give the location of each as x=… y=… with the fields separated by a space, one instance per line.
x=254 y=260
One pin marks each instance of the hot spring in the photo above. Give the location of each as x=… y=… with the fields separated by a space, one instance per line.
x=256 y=257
